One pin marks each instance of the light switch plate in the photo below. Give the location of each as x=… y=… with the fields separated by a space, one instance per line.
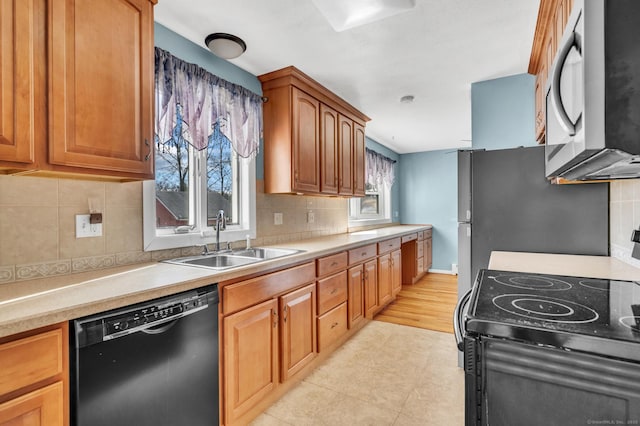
x=311 y=217
x=277 y=218
x=84 y=227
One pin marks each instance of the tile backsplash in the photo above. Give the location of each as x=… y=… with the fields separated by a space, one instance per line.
x=624 y=217
x=37 y=224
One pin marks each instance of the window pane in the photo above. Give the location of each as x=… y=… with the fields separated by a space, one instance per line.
x=221 y=176
x=369 y=204
x=172 y=180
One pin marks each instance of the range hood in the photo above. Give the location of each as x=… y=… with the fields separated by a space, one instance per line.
x=607 y=164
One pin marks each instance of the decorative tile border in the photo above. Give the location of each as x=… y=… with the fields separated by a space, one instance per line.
x=84 y=264
x=42 y=270
x=7 y=274
x=132 y=257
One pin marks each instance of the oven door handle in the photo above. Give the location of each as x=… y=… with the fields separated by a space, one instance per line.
x=458 y=321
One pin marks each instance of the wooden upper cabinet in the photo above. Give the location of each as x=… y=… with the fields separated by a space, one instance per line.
x=345 y=175
x=329 y=150
x=101 y=85
x=22 y=81
x=552 y=19
x=359 y=145
x=309 y=137
x=306 y=142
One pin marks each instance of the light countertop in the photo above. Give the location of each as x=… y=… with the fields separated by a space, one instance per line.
x=25 y=305
x=564 y=264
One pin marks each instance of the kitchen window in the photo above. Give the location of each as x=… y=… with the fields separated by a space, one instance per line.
x=375 y=207
x=207 y=135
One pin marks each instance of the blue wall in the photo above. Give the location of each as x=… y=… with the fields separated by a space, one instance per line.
x=502 y=112
x=502 y=117
x=429 y=194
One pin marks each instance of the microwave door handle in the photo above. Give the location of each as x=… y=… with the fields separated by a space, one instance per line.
x=561 y=114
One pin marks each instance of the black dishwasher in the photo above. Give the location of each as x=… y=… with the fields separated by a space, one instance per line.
x=153 y=363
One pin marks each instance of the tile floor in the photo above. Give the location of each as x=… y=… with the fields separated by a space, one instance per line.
x=387 y=374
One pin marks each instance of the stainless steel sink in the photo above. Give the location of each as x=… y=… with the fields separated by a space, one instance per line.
x=220 y=261
x=266 y=252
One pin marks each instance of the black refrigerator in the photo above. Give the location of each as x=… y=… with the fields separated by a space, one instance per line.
x=505 y=203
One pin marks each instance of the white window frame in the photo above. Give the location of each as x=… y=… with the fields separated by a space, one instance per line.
x=245 y=218
x=384 y=201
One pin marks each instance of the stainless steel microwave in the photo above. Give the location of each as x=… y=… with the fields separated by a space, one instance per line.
x=593 y=94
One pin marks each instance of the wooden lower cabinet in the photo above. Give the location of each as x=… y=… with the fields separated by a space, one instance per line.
x=250 y=357
x=297 y=329
x=396 y=272
x=42 y=407
x=370 y=271
x=332 y=326
x=35 y=376
x=384 y=280
x=355 y=301
x=389 y=277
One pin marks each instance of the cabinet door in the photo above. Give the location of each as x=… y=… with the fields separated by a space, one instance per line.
x=359 y=145
x=396 y=272
x=428 y=253
x=384 y=280
x=329 y=150
x=298 y=329
x=306 y=142
x=250 y=357
x=22 y=79
x=370 y=288
x=345 y=140
x=101 y=86
x=42 y=407
x=355 y=302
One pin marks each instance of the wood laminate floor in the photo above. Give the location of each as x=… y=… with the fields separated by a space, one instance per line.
x=427 y=304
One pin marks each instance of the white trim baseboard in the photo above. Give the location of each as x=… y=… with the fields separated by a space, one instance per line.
x=442 y=271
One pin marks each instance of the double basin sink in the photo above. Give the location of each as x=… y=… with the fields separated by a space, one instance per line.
x=235 y=258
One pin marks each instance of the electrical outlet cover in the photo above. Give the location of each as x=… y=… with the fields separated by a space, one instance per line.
x=84 y=227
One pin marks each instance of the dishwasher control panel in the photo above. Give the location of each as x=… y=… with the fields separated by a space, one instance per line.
x=146 y=317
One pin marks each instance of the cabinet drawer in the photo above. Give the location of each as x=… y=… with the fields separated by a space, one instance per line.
x=389 y=245
x=332 y=291
x=420 y=247
x=31 y=359
x=331 y=326
x=428 y=233
x=331 y=264
x=363 y=253
x=250 y=292
x=420 y=235
x=410 y=237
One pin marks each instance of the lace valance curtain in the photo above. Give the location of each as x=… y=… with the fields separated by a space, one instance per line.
x=379 y=169
x=204 y=107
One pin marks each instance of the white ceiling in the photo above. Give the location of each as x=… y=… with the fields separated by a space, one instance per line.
x=433 y=52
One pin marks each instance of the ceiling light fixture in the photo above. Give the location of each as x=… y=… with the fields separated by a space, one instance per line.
x=407 y=99
x=226 y=46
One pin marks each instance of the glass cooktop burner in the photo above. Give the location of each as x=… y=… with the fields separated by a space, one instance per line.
x=602 y=285
x=545 y=308
x=530 y=282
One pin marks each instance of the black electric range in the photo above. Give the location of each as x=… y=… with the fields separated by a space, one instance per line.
x=598 y=316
